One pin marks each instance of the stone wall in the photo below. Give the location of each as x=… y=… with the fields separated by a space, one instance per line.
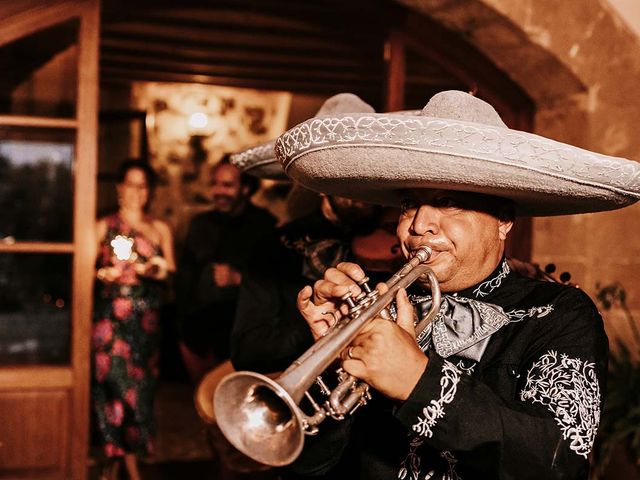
x=580 y=63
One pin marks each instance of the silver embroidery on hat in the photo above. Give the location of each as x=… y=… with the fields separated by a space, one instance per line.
x=451 y=137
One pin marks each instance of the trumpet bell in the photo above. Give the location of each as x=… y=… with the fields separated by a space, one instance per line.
x=259 y=418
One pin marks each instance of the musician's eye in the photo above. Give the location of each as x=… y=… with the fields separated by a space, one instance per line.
x=408 y=207
x=446 y=202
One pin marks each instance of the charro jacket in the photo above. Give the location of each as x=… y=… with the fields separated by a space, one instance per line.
x=527 y=408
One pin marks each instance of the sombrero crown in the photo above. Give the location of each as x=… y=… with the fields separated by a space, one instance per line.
x=260 y=160
x=457 y=142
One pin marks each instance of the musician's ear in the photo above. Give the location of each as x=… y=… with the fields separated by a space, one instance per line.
x=506 y=216
x=504 y=227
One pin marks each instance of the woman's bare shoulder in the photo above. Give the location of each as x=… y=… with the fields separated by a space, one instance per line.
x=162 y=227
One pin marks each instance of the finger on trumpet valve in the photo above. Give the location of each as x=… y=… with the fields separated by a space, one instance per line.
x=348 y=299
x=364 y=285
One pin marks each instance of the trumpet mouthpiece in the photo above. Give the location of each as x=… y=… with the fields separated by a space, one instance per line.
x=423 y=253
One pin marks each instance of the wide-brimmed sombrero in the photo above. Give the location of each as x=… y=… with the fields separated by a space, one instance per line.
x=260 y=160
x=457 y=142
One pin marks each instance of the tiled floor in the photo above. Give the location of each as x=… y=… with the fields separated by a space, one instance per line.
x=180 y=432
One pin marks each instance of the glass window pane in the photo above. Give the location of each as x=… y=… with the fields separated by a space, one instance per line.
x=39 y=72
x=36 y=188
x=35 y=302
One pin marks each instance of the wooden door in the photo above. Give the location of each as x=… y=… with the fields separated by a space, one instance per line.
x=48 y=123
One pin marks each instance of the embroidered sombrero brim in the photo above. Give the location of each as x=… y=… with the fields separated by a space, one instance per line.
x=458 y=142
x=260 y=160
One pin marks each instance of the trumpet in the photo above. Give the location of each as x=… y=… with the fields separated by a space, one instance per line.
x=261 y=416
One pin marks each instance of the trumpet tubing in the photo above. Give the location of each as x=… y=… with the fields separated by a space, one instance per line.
x=261 y=417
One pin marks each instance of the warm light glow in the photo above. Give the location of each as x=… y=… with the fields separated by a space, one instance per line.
x=198 y=120
x=122 y=247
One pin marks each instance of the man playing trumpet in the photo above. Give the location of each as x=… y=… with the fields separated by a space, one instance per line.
x=508 y=380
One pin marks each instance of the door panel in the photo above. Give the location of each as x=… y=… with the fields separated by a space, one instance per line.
x=35 y=435
x=48 y=145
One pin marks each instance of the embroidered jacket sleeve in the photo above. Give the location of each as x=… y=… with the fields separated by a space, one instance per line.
x=534 y=416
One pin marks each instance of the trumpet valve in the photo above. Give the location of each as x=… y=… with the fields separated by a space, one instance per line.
x=364 y=284
x=348 y=299
x=365 y=395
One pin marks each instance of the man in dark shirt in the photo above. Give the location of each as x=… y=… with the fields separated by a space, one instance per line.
x=217 y=250
x=269 y=332
x=508 y=379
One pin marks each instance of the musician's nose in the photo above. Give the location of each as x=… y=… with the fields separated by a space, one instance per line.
x=426 y=221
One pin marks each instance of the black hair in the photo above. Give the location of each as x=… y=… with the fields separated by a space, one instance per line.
x=502 y=208
x=360 y=218
x=132 y=163
x=246 y=180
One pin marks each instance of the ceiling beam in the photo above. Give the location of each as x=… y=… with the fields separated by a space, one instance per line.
x=231 y=18
x=302 y=15
x=208 y=53
x=233 y=37
x=319 y=75
x=112 y=74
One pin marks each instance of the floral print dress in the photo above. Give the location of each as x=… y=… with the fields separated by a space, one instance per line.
x=125 y=347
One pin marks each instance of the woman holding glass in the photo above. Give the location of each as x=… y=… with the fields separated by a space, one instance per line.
x=134 y=259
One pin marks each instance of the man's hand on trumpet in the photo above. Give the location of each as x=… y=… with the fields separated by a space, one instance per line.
x=385 y=354
x=321 y=305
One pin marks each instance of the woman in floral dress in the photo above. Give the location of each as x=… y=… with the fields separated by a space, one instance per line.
x=135 y=257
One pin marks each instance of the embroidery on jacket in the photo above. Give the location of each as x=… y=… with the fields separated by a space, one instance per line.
x=411 y=464
x=466 y=366
x=488 y=286
x=451 y=461
x=435 y=410
x=569 y=388
x=538 y=312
